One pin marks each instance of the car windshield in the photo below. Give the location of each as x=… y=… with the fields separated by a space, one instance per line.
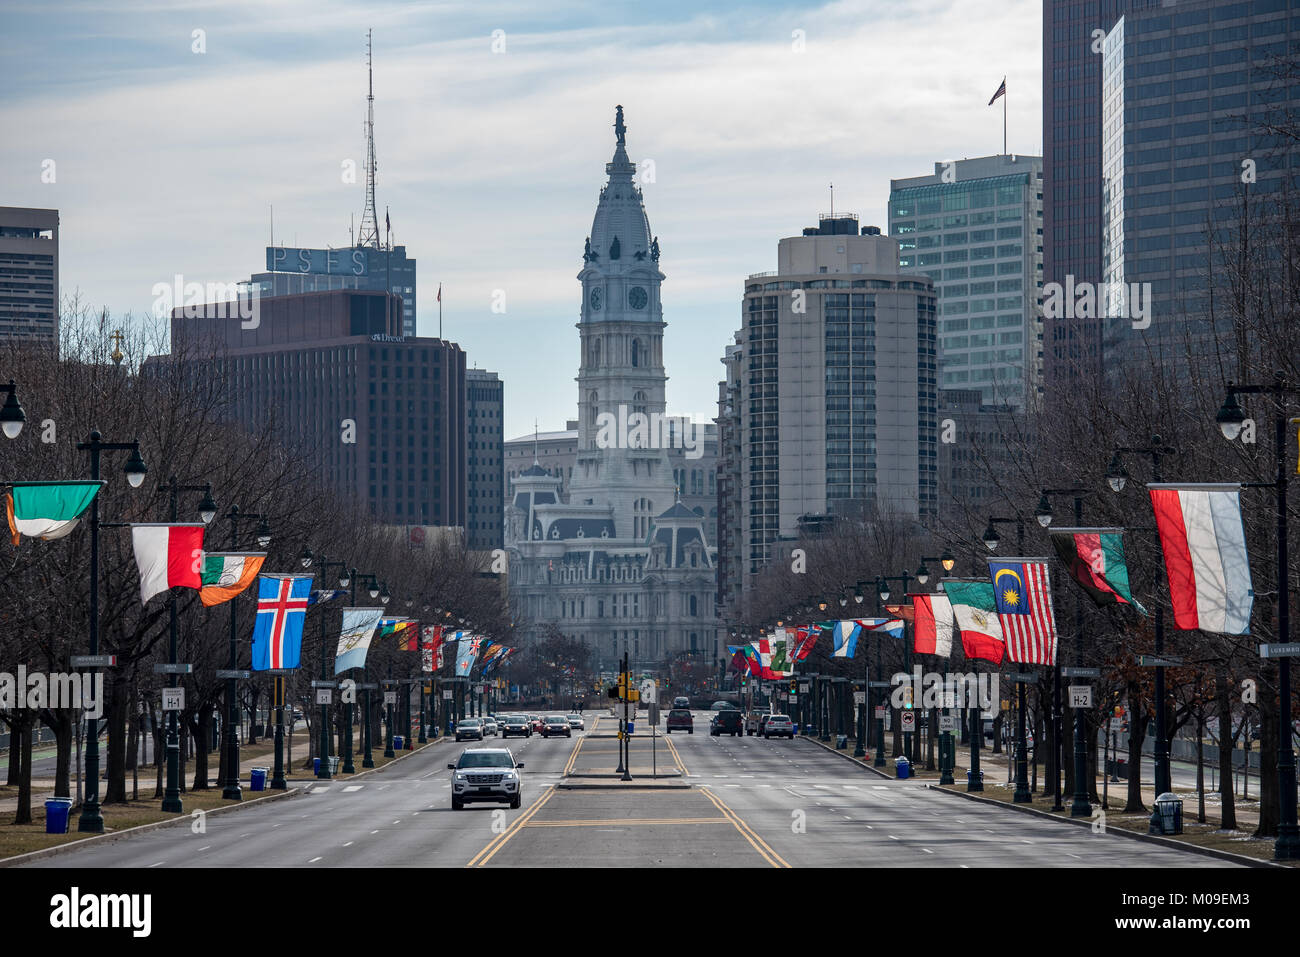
x=557 y=720
x=469 y=723
x=679 y=714
x=485 y=759
x=575 y=717
x=778 y=717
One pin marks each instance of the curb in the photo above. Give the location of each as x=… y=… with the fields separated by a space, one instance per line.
x=80 y=843
x=849 y=757
x=1122 y=832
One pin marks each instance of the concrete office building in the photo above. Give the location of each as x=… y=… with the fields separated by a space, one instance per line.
x=1187 y=91
x=381 y=416
x=830 y=400
x=29 y=274
x=975 y=227
x=485 y=393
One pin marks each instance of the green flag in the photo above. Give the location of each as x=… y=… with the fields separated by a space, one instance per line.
x=47 y=510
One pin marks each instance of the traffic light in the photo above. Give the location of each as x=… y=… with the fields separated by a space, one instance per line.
x=907 y=699
x=794 y=686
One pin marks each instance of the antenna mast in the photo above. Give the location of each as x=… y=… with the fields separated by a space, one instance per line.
x=369 y=232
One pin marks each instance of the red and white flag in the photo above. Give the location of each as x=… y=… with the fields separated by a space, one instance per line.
x=168 y=556
x=932 y=628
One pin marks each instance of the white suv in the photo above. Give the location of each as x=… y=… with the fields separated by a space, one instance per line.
x=778 y=725
x=486 y=774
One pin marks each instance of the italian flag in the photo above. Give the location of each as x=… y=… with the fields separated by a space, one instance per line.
x=47 y=510
x=974 y=612
x=168 y=556
x=226 y=574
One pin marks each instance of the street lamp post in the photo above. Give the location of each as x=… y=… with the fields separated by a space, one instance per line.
x=1230 y=419
x=1079 y=807
x=12 y=415
x=946 y=562
x=367 y=758
x=230 y=790
x=1022 y=793
x=323 y=748
x=1117 y=477
x=859 y=749
x=884 y=592
x=171 y=802
x=91 y=819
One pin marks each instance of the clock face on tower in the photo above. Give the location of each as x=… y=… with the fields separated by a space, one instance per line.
x=595 y=298
x=637 y=298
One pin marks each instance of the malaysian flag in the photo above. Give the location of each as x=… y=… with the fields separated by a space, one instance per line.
x=281 y=611
x=1022 y=592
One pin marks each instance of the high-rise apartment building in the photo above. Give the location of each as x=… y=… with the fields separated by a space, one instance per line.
x=485 y=393
x=975 y=227
x=29 y=274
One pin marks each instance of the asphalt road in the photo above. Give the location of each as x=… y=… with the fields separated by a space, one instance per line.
x=750 y=802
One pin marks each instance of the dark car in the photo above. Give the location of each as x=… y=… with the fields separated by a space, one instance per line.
x=517 y=725
x=557 y=724
x=469 y=728
x=727 y=722
x=679 y=719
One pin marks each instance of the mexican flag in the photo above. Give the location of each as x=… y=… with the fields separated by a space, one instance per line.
x=975 y=614
x=47 y=510
x=168 y=556
x=226 y=574
x=1095 y=559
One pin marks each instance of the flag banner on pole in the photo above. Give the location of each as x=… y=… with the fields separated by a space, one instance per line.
x=499 y=655
x=780 y=645
x=893 y=627
x=932 y=630
x=1095 y=559
x=430 y=639
x=739 y=660
x=1022 y=593
x=807 y=640
x=168 y=556
x=227 y=574
x=844 y=639
x=1204 y=543
x=47 y=510
x=975 y=615
x=409 y=637
x=466 y=654
x=326 y=594
x=1002 y=91
x=281 y=612
x=359 y=626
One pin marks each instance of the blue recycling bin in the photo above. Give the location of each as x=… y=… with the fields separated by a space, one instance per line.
x=57 y=812
x=981 y=776
x=397 y=742
x=631 y=727
x=315 y=766
x=902 y=768
x=257 y=779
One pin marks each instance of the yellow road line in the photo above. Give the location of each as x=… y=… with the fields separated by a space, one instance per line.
x=757 y=842
x=479 y=859
x=632 y=820
x=668 y=739
x=577 y=746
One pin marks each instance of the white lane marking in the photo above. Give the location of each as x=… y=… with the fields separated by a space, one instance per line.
x=156 y=865
x=850 y=787
x=349 y=844
x=374 y=832
x=880 y=787
x=313 y=860
x=964 y=867
x=399 y=821
x=353 y=787
x=927 y=850
x=892 y=838
x=320 y=789
x=245 y=834
x=205 y=847
x=275 y=825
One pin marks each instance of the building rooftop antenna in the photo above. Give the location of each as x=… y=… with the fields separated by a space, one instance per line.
x=368 y=235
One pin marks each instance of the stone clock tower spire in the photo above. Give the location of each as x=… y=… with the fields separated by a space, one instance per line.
x=621 y=372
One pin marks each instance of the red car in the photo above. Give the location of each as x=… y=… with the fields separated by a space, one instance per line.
x=679 y=719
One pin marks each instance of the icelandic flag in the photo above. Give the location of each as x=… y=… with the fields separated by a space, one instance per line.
x=1204 y=543
x=845 y=639
x=281 y=611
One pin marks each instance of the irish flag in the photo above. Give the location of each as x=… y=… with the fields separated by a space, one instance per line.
x=47 y=510
x=975 y=615
x=1205 y=556
x=168 y=556
x=226 y=574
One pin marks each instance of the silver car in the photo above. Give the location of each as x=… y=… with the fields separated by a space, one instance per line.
x=486 y=774
x=490 y=727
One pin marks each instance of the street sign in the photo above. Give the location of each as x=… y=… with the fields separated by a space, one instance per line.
x=236 y=673
x=359 y=686
x=324 y=696
x=880 y=684
x=324 y=684
x=949 y=700
x=1080 y=672
x=166 y=669
x=880 y=711
x=1289 y=649
x=1080 y=696
x=803 y=687
x=1150 y=661
x=173 y=699
x=889 y=720
x=909 y=721
x=947 y=722
x=1117 y=724
x=390 y=697
x=1028 y=677
x=859 y=697
x=447 y=694
x=94 y=661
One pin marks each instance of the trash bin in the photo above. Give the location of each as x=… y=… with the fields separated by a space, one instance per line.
x=397 y=742
x=334 y=764
x=631 y=727
x=1170 y=807
x=902 y=768
x=796 y=727
x=981 y=776
x=257 y=779
x=57 y=812
x=841 y=742
x=315 y=766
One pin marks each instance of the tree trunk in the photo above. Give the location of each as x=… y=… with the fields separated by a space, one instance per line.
x=1227 y=801
x=200 y=726
x=23 y=814
x=15 y=757
x=1200 y=764
x=997 y=732
x=1095 y=723
x=1068 y=716
x=1269 y=804
x=61 y=723
x=932 y=736
x=115 y=765
x=157 y=731
x=254 y=694
x=1137 y=723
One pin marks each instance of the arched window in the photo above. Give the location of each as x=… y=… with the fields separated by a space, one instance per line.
x=592 y=414
x=694 y=612
x=638 y=402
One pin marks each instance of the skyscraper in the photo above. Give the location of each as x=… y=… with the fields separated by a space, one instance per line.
x=976 y=228
x=29 y=264
x=485 y=394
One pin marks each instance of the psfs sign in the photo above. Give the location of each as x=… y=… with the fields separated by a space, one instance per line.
x=328 y=262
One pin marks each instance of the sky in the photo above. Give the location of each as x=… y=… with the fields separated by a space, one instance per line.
x=170 y=148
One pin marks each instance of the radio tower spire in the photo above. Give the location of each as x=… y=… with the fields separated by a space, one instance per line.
x=368 y=235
